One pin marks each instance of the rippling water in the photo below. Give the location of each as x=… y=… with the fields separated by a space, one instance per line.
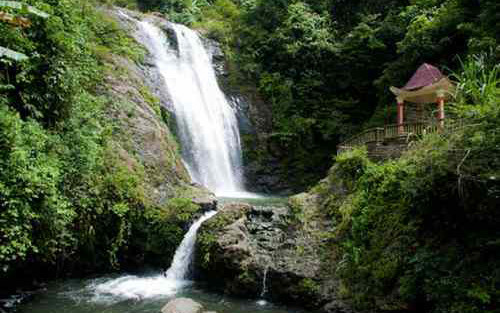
x=136 y=294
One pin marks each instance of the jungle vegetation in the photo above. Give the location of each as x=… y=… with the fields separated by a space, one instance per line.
x=68 y=203
x=422 y=229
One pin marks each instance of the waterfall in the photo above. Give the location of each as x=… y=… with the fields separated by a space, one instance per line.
x=264 y=285
x=206 y=123
x=263 y=291
x=184 y=254
x=134 y=287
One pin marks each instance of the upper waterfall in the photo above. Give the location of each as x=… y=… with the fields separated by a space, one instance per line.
x=206 y=123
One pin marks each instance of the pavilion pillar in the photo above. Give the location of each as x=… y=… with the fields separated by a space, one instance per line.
x=400 y=121
x=440 y=111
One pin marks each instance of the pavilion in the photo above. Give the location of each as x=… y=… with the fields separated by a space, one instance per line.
x=427 y=85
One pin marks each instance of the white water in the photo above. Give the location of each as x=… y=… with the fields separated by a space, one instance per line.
x=137 y=288
x=206 y=123
x=133 y=287
x=263 y=292
x=184 y=254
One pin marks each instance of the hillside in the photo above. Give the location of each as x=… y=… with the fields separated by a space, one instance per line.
x=91 y=175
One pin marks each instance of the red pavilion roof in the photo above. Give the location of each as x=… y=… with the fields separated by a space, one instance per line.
x=426 y=75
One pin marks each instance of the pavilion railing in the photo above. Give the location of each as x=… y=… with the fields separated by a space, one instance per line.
x=381 y=134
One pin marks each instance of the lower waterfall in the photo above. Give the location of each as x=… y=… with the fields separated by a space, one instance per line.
x=183 y=258
x=168 y=283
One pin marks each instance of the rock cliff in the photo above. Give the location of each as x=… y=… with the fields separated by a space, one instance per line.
x=244 y=244
x=144 y=128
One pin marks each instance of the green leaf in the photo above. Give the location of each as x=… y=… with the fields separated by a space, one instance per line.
x=13 y=55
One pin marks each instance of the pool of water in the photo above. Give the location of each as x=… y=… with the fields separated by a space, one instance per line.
x=146 y=293
x=263 y=200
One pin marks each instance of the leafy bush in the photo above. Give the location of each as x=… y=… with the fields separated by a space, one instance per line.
x=35 y=216
x=67 y=200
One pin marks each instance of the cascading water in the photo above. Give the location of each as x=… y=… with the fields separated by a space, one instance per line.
x=263 y=291
x=134 y=287
x=184 y=254
x=206 y=123
x=209 y=134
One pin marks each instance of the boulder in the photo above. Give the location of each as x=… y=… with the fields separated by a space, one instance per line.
x=206 y=200
x=243 y=244
x=182 y=305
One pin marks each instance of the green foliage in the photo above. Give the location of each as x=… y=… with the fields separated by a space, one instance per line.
x=324 y=67
x=308 y=288
x=352 y=164
x=67 y=200
x=34 y=215
x=181 y=11
x=478 y=83
x=422 y=230
x=220 y=21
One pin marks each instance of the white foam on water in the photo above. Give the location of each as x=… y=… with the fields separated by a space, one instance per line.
x=131 y=287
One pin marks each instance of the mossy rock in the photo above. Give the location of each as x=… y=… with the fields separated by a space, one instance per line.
x=224 y=255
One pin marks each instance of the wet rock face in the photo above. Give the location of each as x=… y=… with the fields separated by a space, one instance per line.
x=151 y=76
x=243 y=242
x=207 y=201
x=217 y=55
x=143 y=137
x=286 y=244
x=254 y=122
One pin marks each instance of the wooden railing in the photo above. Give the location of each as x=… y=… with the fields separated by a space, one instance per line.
x=381 y=134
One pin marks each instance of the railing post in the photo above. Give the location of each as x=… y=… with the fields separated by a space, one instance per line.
x=380 y=135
